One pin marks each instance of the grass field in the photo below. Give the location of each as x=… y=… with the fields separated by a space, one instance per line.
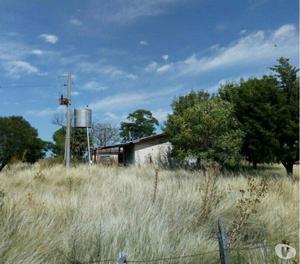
x=47 y=216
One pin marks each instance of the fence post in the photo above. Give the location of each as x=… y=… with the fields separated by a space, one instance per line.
x=122 y=258
x=265 y=252
x=223 y=243
x=155 y=185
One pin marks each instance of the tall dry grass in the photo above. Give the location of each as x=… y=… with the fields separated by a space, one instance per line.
x=50 y=216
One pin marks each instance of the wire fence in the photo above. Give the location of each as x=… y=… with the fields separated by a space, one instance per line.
x=259 y=251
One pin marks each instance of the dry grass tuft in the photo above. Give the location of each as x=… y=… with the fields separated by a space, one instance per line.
x=48 y=216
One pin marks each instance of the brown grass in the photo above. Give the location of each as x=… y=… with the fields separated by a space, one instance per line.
x=50 y=216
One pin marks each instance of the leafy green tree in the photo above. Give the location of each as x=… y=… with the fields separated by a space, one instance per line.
x=19 y=140
x=256 y=105
x=268 y=110
x=141 y=123
x=58 y=146
x=78 y=142
x=181 y=103
x=204 y=128
x=288 y=117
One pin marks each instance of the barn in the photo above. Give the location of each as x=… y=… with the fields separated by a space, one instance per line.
x=153 y=149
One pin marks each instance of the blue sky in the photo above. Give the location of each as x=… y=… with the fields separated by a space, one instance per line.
x=129 y=54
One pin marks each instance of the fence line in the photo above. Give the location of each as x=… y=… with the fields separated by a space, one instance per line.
x=224 y=251
x=257 y=246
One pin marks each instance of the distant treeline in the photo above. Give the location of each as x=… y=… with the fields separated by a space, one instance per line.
x=255 y=120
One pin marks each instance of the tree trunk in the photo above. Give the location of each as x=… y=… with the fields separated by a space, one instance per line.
x=254 y=164
x=3 y=164
x=288 y=167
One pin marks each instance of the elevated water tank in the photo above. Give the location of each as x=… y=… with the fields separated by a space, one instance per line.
x=83 y=117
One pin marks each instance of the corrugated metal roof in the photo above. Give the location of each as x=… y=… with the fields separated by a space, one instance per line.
x=135 y=141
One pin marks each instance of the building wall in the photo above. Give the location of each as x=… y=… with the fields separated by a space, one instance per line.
x=152 y=152
x=108 y=159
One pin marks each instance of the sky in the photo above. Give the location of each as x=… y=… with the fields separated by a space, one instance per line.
x=130 y=54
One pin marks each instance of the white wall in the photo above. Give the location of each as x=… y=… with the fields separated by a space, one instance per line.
x=154 y=150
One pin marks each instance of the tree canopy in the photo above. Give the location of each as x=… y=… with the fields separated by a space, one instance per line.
x=78 y=143
x=288 y=116
x=104 y=134
x=141 y=123
x=255 y=104
x=19 y=140
x=268 y=111
x=205 y=129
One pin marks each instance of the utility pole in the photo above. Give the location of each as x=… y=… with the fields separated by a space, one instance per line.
x=68 y=120
x=67 y=102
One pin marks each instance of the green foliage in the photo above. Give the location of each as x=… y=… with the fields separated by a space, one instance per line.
x=204 y=129
x=78 y=143
x=58 y=147
x=268 y=111
x=288 y=117
x=19 y=140
x=141 y=124
x=180 y=104
x=256 y=107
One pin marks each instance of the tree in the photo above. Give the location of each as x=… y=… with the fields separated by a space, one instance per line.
x=288 y=116
x=19 y=140
x=59 y=119
x=104 y=134
x=256 y=103
x=78 y=143
x=180 y=104
x=204 y=128
x=141 y=124
x=268 y=110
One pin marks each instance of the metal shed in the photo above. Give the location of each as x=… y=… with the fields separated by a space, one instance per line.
x=153 y=149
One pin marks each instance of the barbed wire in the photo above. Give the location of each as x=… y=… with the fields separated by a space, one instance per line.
x=258 y=246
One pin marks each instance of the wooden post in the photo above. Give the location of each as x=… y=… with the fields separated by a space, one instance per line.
x=155 y=185
x=265 y=252
x=122 y=258
x=223 y=243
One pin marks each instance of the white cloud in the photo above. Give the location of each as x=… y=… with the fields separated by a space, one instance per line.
x=112 y=116
x=93 y=86
x=75 y=22
x=284 y=31
x=165 y=57
x=13 y=50
x=165 y=68
x=49 y=38
x=75 y=93
x=37 y=52
x=101 y=68
x=122 y=100
x=18 y=68
x=243 y=31
x=117 y=101
x=46 y=111
x=130 y=10
x=143 y=43
x=161 y=114
x=253 y=48
x=151 y=67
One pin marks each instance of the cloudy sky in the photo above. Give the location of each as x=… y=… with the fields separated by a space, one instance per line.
x=129 y=54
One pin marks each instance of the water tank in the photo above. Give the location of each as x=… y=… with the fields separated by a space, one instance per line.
x=83 y=117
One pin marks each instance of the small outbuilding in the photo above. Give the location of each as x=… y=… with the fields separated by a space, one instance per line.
x=153 y=149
